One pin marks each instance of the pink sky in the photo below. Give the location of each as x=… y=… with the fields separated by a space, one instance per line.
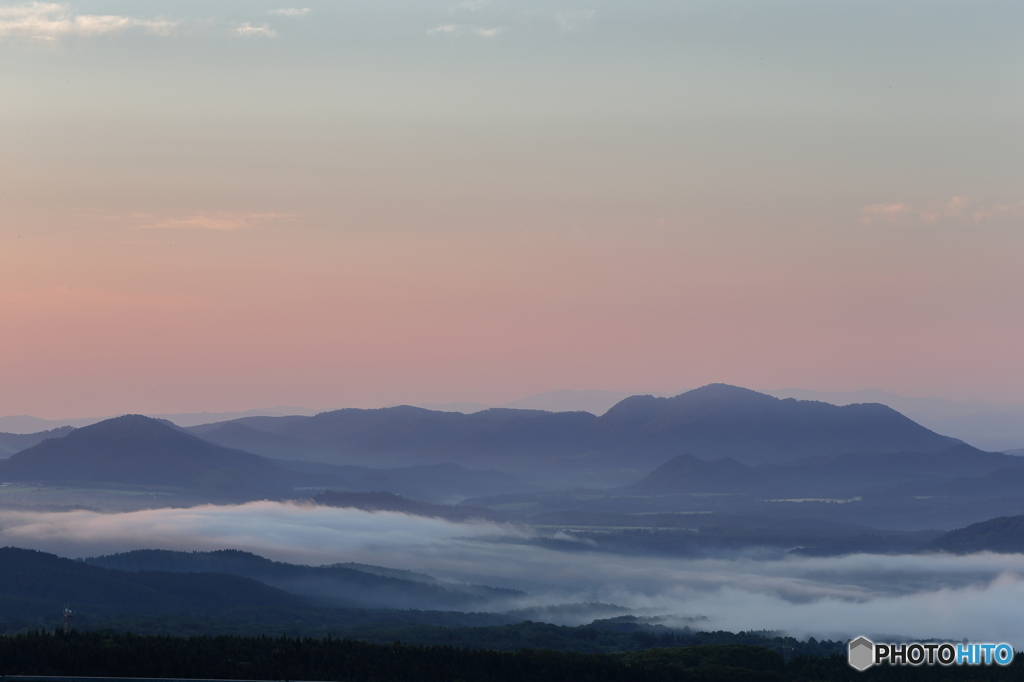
x=226 y=220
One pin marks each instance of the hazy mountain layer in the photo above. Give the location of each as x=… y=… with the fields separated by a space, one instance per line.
x=955 y=471
x=445 y=483
x=11 y=443
x=899 y=492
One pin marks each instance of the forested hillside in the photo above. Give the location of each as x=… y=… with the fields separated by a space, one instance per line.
x=115 y=655
x=1004 y=534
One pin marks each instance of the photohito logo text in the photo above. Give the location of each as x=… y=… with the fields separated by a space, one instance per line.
x=863 y=653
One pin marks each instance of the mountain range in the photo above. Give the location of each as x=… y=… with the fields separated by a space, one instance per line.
x=134 y=450
x=988 y=426
x=349 y=449
x=578 y=448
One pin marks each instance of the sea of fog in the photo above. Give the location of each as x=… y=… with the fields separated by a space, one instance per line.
x=918 y=596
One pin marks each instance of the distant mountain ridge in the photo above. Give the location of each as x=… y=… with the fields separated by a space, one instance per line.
x=987 y=426
x=563 y=400
x=25 y=424
x=404 y=436
x=636 y=435
x=11 y=443
x=553 y=450
x=140 y=451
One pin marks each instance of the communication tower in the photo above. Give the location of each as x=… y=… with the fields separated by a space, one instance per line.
x=69 y=619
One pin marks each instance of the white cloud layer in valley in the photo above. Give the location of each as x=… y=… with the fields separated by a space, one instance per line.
x=917 y=596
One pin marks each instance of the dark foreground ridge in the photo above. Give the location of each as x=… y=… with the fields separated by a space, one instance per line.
x=152 y=583
x=262 y=658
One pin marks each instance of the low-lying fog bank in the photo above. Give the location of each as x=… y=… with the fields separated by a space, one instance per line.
x=921 y=596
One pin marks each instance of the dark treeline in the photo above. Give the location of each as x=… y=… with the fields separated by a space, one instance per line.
x=108 y=655
x=429 y=628
x=16 y=617
x=597 y=638
x=125 y=655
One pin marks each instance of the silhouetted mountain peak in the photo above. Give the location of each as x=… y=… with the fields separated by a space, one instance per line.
x=634 y=409
x=713 y=399
x=724 y=393
x=720 y=420
x=127 y=428
x=688 y=474
x=134 y=449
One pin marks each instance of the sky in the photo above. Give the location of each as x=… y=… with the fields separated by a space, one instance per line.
x=230 y=204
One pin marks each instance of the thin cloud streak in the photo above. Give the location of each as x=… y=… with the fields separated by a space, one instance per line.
x=470 y=5
x=958 y=208
x=571 y=20
x=456 y=30
x=917 y=596
x=290 y=11
x=248 y=30
x=51 y=21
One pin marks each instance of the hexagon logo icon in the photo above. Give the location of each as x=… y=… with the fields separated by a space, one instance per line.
x=862 y=653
